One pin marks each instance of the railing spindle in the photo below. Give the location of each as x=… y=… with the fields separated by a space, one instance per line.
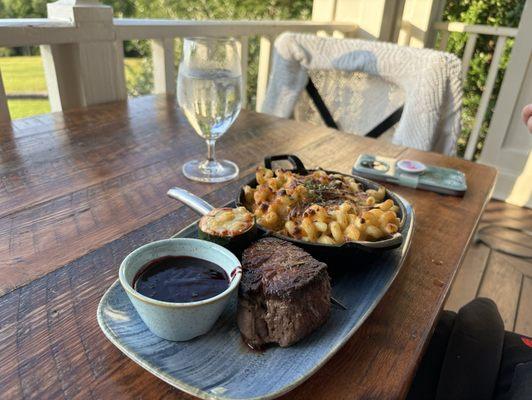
x=444 y=38
x=468 y=54
x=405 y=34
x=120 y=72
x=4 y=110
x=244 y=56
x=484 y=100
x=163 y=53
x=265 y=60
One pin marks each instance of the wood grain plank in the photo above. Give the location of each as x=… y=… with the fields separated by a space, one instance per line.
x=506 y=240
x=502 y=284
x=83 y=214
x=117 y=148
x=53 y=319
x=468 y=278
x=507 y=214
x=523 y=322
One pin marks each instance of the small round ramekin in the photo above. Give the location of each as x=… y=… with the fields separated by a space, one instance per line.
x=180 y=321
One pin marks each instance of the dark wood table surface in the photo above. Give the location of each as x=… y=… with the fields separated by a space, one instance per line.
x=81 y=189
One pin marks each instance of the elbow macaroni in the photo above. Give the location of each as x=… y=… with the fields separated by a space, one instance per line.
x=320 y=207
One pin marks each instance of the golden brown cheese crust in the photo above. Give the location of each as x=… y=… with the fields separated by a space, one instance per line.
x=227 y=222
x=321 y=207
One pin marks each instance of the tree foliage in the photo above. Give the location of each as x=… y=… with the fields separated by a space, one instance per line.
x=23 y=8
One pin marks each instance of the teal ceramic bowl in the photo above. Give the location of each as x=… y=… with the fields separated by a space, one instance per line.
x=179 y=321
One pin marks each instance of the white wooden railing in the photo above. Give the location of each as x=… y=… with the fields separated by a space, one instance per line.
x=473 y=31
x=127 y=29
x=82 y=49
x=57 y=38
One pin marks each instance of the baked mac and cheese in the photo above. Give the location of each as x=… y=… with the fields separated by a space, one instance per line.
x=321 y=207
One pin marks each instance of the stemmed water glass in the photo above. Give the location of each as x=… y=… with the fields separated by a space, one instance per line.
x=209 y=92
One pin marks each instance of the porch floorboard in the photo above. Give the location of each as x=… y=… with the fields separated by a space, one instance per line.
x=505 y=279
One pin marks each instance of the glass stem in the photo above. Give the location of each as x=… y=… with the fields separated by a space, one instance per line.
x=210 y=150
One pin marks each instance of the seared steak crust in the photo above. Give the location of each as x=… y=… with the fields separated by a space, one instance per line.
x=284 y=293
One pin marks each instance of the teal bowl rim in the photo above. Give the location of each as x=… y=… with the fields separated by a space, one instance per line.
x=233 y=284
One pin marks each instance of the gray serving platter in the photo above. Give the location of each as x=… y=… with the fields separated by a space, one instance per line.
x=219 y=366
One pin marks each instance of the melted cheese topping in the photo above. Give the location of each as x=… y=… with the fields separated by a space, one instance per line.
x=226 y=221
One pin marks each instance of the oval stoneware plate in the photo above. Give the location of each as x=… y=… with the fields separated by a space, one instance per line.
x=219 y=366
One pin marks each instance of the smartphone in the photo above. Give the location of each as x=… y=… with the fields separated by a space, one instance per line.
x=411 y=173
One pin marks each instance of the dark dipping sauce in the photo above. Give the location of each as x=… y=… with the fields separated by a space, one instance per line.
x=180 y=279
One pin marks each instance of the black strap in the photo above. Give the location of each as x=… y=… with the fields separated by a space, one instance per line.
x=386 y=124
x=320 y=105
x=329 y=120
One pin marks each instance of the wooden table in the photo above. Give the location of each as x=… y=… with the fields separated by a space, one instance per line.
x=80 y=190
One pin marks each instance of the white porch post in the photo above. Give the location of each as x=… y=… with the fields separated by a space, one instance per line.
x=416 y=23
x=84 y=73
x=508 y=144
x=375 y=19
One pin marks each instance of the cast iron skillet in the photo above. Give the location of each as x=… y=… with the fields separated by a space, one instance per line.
x=328 y=249
x=320 y=251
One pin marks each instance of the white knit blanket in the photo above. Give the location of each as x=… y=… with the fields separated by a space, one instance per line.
x=431 y=81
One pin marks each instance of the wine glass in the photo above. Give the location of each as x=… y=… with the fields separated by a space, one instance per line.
x=209 y=92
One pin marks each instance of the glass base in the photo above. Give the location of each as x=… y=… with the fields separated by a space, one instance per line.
x=210 y=171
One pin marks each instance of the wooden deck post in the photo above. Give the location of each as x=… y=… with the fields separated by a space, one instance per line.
x=87 y=72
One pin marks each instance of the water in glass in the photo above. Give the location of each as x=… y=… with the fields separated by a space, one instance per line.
x=211 y=101
x=209 y=93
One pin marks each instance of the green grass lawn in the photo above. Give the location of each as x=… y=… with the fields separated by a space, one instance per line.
x=26 y=75
x=23 y=74
x=27 y=107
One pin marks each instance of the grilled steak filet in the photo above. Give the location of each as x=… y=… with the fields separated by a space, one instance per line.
x=284 y=293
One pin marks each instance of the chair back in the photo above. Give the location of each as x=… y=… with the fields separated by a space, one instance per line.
x=363 y=82
x=357 y=101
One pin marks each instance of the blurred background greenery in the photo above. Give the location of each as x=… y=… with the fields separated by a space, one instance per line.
x=25 y=74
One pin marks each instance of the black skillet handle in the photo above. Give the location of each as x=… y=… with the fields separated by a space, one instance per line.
x=298 y=165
